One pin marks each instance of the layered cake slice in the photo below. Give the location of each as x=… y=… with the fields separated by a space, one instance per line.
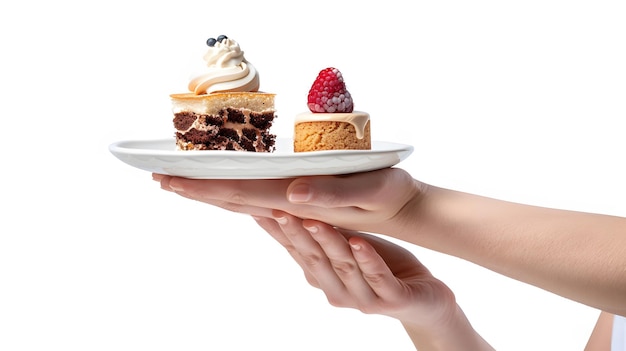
x=224 y=109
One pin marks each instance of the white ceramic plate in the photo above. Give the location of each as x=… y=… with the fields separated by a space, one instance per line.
x=160 y=156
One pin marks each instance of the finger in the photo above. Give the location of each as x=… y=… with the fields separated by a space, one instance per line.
x=255 y=197
x=375 y=271
x=275 y=231
x=157 y=177
x=367 y=191
x=311 y=256
x=340 y=255
x=202 y=190
x=268 y=193
x=164 y=181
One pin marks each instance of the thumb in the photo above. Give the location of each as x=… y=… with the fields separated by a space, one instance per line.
x=369 y=190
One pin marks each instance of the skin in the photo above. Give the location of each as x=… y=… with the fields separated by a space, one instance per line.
x=601 y=336
x=556 y=250
x=364 y=272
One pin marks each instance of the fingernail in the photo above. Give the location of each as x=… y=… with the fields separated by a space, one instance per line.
x=311 y=228
x=355 y=247
x=172 y=185
x=281 y=220
x=300 y=193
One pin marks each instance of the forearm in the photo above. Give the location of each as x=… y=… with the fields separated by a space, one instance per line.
x=581 y=256
x=458 y=334
x=600 y=339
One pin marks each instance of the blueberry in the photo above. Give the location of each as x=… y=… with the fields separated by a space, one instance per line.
x=211 y=42
x=221 y=37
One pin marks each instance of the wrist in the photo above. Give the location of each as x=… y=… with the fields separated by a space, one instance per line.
x=411 y=218
x=453 y=333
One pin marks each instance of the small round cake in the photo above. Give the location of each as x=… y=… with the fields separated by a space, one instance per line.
x=332 y=124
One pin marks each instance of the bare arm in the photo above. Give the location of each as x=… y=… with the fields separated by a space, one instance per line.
x=581 y=256
x=600 y=339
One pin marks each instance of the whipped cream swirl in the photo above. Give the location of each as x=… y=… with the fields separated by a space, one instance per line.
x=226 y=70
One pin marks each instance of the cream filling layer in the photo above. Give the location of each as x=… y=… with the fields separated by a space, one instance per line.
x=358 y=119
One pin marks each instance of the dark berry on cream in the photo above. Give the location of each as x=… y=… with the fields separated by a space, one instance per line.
x=212 y=41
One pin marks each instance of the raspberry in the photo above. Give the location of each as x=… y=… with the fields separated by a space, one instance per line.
x=328 y=93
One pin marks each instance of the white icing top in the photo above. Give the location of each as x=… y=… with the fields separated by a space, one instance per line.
x=358 y=119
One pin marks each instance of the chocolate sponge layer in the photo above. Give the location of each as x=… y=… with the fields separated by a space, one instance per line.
x=230 y=129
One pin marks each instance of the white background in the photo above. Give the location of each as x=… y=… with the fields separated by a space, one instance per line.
x=522 y=101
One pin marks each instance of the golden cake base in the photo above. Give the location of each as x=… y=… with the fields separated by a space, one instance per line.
x=329 y=135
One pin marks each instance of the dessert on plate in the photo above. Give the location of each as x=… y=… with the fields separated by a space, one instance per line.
x=331 y=123
x=224 y=109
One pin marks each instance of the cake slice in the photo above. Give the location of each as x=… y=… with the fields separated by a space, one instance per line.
x=223 y=108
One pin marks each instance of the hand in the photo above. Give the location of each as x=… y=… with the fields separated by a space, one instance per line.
x=377 y=201
x=362 y=271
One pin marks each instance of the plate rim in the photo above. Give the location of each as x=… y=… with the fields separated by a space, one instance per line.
x=117 y=147
x=229 y=164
